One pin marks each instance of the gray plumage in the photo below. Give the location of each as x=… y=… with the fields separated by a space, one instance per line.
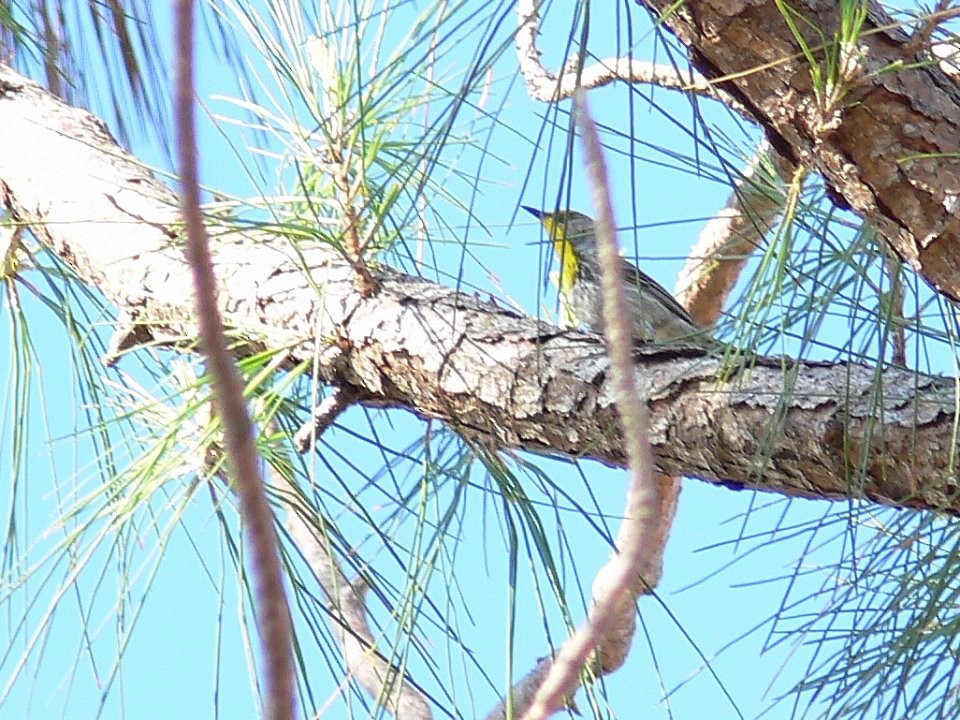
x=655 y=313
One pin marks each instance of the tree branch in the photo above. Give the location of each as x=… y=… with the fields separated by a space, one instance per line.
x=729 y=239
x=603 y=642
x=546 y=86
x=816 y=430
x=890 y=150
x=272 y=611
x=381 y=678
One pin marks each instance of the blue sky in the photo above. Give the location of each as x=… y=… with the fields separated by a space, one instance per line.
x=731 y=556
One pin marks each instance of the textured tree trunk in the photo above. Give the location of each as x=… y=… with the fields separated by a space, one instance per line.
x=887 y=139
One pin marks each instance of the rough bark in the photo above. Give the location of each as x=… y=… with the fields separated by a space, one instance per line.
x=814 y=430
x=889 y=148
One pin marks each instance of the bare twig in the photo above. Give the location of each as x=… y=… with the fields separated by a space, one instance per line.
x=604 y=641
x=323 y=416
x=922 y=36
x=272 y=611
x=379 y=677
x=546 y=86
x=382 y=679
x=897 y=336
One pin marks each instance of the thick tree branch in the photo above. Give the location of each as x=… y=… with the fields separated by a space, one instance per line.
x=890 y=148
x=816 y=430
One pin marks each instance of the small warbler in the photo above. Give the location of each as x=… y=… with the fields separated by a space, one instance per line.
x=655 y=313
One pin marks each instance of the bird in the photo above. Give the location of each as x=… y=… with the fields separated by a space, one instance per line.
x=655 y=314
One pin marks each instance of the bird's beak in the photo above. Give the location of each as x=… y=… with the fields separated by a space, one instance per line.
x=533 y=211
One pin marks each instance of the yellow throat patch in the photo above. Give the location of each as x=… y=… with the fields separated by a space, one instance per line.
x=566 y=255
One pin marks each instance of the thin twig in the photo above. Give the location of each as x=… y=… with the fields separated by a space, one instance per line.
x=384 y=680
x=323 y=416
x=546 y=86
x=272 y=611
x=605 y=638
x=922 y=36
x=895 y=298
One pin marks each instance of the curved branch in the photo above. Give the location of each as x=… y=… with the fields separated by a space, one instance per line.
x=376 y=674
x=546 y=86
x=603 y=642
x=729 y=239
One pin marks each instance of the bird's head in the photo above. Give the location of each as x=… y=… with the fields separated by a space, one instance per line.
x=573 y=237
